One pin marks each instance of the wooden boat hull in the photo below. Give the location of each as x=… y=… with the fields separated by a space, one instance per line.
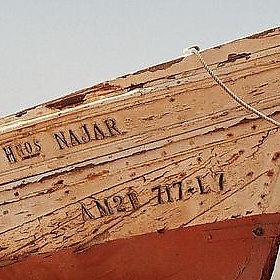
x=156 y=174
x=242 y=248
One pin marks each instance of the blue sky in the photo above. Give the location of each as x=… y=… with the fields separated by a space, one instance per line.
x=50 y=48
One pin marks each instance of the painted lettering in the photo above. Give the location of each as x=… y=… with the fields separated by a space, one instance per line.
x=98 y=133
x=86 y=138
x=61 y=140
x=10 y=154
x=86 y=214
x=167 y=193
x=38 y=147
x=221 y=181
x=74 y=140
x=159 y=194
x=174 y=192
x=22 y=151
x=133 y=199
x=180 y=189
x=86 y=132
x=107 y=206
x=112 y=127
x=119 y=200
x=104 y=208
x=200 y=185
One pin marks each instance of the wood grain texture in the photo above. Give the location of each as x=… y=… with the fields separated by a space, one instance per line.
x=156 y=150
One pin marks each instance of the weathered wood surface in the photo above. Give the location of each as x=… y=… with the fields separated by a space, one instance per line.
x=159 y=149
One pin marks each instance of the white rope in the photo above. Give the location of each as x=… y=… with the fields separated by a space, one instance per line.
x=195 y=50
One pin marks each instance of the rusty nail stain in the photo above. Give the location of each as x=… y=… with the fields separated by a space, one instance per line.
x=250 y=174
x=270 y=173
x=276 y=156
x=161 y=230
x=263 y=195
x=241 y=152
x=258 y=231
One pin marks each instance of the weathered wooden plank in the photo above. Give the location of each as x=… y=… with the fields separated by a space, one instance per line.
x=157 y=150
x=167 y=104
